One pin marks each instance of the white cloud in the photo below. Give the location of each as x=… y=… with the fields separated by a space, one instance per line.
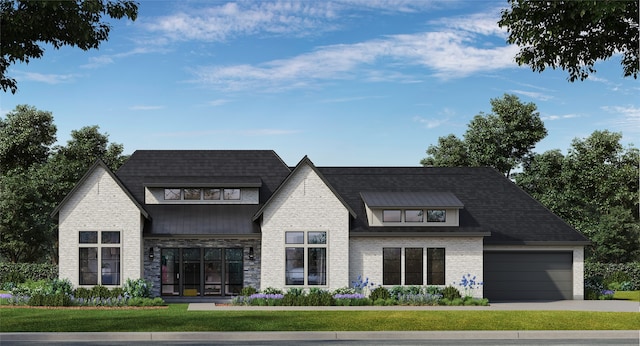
x=46 y=78
x=218 y=102
x=625 y=117
x=430 y=123
x=533 y=94
x=448 y=54
x=559 y=117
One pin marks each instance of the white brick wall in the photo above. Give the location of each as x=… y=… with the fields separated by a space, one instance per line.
x=463 y=255
x=578 y=262
x=305 y=203
x=99 y=204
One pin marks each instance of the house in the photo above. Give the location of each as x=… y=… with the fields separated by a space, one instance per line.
x=205 y=224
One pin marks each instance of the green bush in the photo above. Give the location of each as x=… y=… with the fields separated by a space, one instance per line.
x=344 y=290
x=450 y=293
x=100 y=291
x=57 y=299
x=247 y=291
x=139 y=301
x=272 y=290
x=607 y=273
x=139 y=288
x=318 y=297
x=26 y=272
x=379 y=293
x=82 y=292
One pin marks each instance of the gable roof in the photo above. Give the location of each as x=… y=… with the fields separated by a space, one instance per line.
x=305 y=162
x=492 y=203
x=262 y=169
x=99 y=163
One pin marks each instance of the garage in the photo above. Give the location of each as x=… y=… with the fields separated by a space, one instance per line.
x=518 y=275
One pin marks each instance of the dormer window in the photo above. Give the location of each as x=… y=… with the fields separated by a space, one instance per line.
x=413 y=216
x=212 y=194
x=232 y=194
x=192 y=194
x=172 y=194
x=436 y=215
x=392 y=215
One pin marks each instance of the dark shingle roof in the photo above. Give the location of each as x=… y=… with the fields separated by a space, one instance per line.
x=258 y=168
x=414 y=199
x=491 y=202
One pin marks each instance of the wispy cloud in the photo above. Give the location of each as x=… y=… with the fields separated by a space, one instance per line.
x=46 y=78
x=218 y=102
x=442 y=118
x=625 y=117
x=533 y=94
x=247 y=133
x=559 y=117
x=145 y=108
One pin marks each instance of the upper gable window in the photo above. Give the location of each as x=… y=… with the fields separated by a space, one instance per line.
x=232 y=194
x=437 y=215
x=192 y=194
x=172 y=194
x=392 y=215
x=414 y=215
x=212 y=194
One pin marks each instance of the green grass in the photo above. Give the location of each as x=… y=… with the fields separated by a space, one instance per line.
x=627 y=295
x=177 y=318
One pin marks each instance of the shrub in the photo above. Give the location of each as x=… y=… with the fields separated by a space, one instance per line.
x=272 y=290
x=450 y=293
x=63 y=286
x=345 y=290
x=613 y=272
x=27 y=272
x=419 y=299
x=100 y=291
x=379 y=293
x=247 y=291
x=353 y=299
x=139 y=288
x=319 y=297
x=141 y=301
x=57 y=299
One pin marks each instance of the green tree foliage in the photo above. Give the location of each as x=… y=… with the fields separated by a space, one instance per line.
x=573 y=35
x=25 y=138
x=595 y=189
x=36 y=177
x=27 y=25
x=500 y=140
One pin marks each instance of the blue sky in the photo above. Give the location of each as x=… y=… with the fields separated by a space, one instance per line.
x=348 y=83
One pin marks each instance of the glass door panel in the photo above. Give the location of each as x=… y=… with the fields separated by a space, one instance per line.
x=234 y=271
x=213 y=272
x=191 y=264
x=170 y=280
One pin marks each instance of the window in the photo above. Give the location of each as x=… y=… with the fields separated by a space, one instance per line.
x=172 y=194
x=307 y=262
x=192 y=194
x=212 y=194
x=392 y=215
x=413 y=216
x=436 y=215
x=413 y=266
x=106 y=253
x=232 y=194
x=391 y=266
x=435 y=266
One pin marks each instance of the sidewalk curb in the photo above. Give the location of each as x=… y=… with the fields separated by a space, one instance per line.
x=289 y=336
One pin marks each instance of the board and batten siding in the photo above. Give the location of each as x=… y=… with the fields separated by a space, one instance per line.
x=100 y=204
x=305 y=203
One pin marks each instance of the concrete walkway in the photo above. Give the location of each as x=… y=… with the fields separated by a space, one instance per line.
x=566 y=305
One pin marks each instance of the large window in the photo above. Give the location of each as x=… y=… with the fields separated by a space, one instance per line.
x=436 y=215
x=99 y=254
x=435 y=266
x=392 y=215
x=306 y=260
x=198 y=194
x=413 y=266
x=391 y=266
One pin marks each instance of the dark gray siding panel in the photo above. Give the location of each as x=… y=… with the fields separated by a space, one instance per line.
x=528 y=275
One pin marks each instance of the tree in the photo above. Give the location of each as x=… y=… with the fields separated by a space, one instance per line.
x=595 y=189
x=39 y=176
x=500 y=140
x=26 y=25
x=25 y=138
x=573 y=35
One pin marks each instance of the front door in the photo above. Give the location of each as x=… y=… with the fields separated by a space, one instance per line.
x=196 y=272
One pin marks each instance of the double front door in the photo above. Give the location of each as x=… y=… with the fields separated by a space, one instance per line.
x=194 y=272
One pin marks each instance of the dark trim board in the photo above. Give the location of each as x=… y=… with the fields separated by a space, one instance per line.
x=528 y=275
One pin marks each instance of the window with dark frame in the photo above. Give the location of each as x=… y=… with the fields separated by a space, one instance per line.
x=232 y=194
x=391 y=215
x=192 y=194
x=172 y=194
x=391 y=266
x=435 y=266
x=312 y=269
x=413 y=269
x=413 y=216
x=100 y=264
x=211 y=194
x=438 y=215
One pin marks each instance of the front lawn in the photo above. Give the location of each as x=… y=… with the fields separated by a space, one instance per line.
x=176 y=318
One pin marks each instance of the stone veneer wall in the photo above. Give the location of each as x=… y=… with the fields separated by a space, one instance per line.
x=463 y=255
x=152 y=267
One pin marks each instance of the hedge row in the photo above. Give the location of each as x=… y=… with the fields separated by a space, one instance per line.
x=608 y=273
x=21 y=272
